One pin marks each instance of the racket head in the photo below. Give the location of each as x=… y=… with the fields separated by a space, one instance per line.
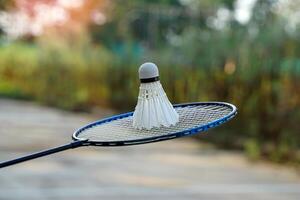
x=193 y=118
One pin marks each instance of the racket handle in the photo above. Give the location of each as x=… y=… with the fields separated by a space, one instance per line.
x=72 y=145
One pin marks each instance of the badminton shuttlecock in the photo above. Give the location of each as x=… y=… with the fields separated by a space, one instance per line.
x=153 y=108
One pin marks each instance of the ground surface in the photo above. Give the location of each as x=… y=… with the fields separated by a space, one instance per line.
x=178 y=169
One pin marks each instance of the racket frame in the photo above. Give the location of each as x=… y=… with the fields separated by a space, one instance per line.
x=78 y=142
x=188 y=132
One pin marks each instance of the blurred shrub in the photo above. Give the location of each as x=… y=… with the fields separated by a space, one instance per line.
x=252 y=149
x=66 y=77
x=17 y=63
x=78 y=78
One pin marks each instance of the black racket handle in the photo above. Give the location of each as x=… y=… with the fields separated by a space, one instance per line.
x=71 y=145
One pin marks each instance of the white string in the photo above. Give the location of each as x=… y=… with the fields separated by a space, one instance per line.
x=122 y=129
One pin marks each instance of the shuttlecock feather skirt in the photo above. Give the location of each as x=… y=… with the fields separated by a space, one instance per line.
x=153 y=108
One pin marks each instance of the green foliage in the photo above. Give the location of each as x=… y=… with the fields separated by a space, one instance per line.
x=86 y=76
x=252 y=148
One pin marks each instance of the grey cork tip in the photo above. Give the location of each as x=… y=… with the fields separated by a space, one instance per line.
x=148 y=70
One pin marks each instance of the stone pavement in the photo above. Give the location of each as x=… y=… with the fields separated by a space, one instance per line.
x=178 y=169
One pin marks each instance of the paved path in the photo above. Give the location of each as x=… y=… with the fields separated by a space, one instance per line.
x=178 y=169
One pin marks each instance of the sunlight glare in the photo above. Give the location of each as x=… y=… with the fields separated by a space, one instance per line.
x=243 y=10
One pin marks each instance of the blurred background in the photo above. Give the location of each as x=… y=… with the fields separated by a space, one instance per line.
x=80 y=57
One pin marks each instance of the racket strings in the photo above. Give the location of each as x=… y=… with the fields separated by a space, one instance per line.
x=122 y=130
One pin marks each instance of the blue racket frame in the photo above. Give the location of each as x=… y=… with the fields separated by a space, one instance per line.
x=78 y=142
x=187 y=132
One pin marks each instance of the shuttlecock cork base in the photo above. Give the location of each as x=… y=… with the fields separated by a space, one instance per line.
x=153 y=108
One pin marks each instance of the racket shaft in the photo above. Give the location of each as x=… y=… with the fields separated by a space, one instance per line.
x=41 y=154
